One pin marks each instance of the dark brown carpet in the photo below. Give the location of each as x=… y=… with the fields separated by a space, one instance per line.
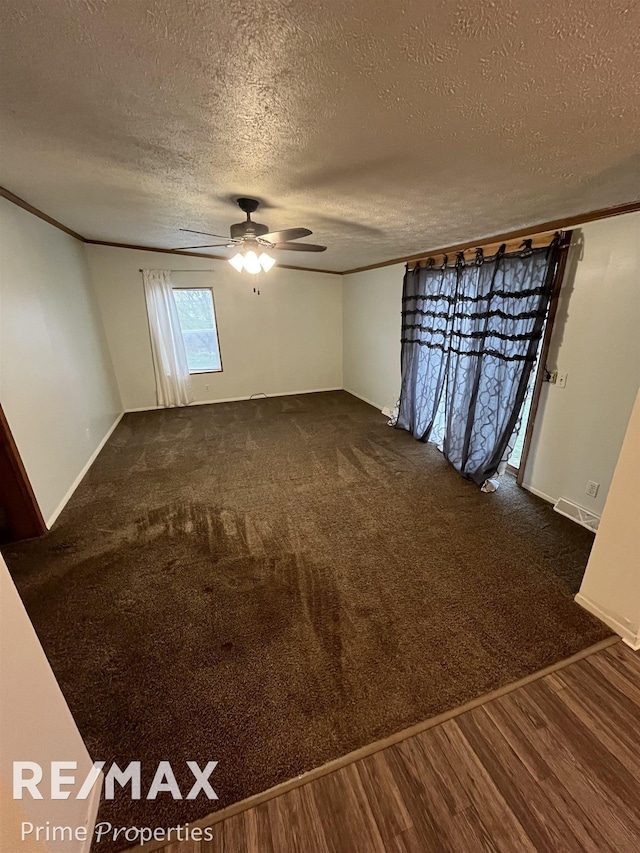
x=275 y=583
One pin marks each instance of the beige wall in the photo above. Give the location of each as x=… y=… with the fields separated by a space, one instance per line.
x=36 y=725
x=57 y=384
x=579 y=429
x=287 y=340
x=611 y=584
x=371 y=327
x=596 y=341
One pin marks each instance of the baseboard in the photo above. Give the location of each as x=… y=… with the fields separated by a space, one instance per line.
x=539 y=494
x=377 y=406
x=630 y=637
x=143 y=409
x=65 y=500
x=255 y=396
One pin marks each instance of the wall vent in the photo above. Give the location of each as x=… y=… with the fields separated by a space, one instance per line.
x=577 y=513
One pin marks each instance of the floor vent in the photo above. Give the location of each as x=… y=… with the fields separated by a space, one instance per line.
x=577 y=513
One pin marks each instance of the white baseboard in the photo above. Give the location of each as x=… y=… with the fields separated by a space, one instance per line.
x=78 y=479
x=377 y=406
x=539 y=494
x=255 y=396
x=143 y=409
x=630 y=637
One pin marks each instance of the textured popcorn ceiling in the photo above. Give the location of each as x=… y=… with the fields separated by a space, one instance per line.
x=385 y=127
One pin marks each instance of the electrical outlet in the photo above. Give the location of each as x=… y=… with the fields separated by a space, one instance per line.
x=206 y=387
x=592 y=489
x=562 y=380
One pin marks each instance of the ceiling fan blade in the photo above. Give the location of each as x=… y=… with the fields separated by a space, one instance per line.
x=286 y=234
x=206 y=233
x=300 y=247
x=209 y=246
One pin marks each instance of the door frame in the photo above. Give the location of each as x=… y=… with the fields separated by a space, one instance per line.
x=17 y=497
x=541 y=368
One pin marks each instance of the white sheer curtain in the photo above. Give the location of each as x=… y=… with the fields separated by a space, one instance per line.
x=173 y=382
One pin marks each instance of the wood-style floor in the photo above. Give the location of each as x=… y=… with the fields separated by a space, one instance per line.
x=552 y=766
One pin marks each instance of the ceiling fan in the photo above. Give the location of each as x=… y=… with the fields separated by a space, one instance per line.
x=253 y=240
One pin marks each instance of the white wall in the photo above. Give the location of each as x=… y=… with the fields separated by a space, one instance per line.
x=611 y=584
x=287 y=340
x=57 y=384
x=372 y=302
x=596 y=341
x=36 y=726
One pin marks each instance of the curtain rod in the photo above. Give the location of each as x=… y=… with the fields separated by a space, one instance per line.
x=141 y=270
x=538 y=241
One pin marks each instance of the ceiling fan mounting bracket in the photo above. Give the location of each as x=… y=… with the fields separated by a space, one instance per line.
x=248 y=205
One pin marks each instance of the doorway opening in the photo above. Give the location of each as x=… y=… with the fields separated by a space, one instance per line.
x=515 y=459
x=518 y=458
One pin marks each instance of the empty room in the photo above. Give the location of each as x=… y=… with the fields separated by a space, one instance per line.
x=319 y=427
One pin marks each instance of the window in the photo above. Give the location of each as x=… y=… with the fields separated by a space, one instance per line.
x=198 y=325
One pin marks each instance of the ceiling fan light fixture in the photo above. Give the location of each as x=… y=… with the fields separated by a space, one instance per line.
x=237 y=262
x=266 y=261
x=251 y=237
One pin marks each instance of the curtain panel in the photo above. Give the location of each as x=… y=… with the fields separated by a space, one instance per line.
x=470 y=337
x=173 y=381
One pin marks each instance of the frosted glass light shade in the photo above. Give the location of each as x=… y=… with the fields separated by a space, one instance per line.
x=266 y=261
x=237 y=261
x=251 y=263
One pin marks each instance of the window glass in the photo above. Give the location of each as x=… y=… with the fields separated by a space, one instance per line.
x=198 y=324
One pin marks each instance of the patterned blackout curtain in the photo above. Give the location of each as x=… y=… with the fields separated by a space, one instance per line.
x=470 y=336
